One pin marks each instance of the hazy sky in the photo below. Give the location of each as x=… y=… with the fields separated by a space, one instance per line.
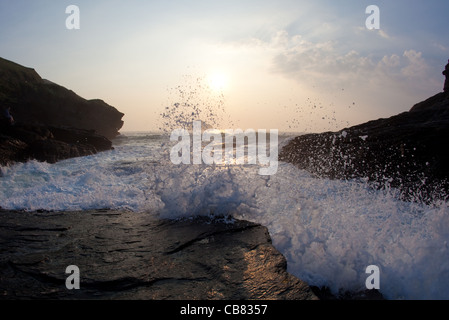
x=288 y=65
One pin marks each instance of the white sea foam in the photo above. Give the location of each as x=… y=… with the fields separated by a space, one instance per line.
x=329 y=231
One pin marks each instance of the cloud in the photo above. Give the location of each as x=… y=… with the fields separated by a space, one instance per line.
x=384 y=34
x=362 y=30
x=344 y=83
x=415 y=64
x=441 y=47
x=328 y=64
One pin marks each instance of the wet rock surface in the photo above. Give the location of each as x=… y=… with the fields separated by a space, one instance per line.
x=123 y=255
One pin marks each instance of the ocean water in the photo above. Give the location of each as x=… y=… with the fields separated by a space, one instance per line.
x=329 y=231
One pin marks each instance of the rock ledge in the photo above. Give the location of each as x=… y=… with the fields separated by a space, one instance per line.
x=125 y=256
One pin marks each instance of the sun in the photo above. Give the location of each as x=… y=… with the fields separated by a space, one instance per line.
x=218 y=81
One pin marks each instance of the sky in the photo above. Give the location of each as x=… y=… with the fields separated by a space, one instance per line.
x=301 y=66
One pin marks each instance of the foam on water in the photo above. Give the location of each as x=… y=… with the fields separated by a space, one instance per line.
x=329 y=231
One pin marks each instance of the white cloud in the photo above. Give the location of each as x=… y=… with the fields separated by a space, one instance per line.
x=349 y=85
x=415 y=65
x=326 y=63
x=441 y=47
x=392 y=61
x=384 y=34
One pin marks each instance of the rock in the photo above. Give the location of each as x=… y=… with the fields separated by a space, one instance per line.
x=409 y=151
x=11 y=150
x=77 y=136
x=51 y=122
x=123 y=255
x=34 y=100
x=23 y=142
x=52 y=151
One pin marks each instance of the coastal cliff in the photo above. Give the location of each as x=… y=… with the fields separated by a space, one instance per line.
x=51 y=123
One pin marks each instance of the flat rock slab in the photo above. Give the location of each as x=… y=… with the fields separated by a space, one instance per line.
x=125 y=255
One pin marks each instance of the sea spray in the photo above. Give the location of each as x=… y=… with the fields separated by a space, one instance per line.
x=226 y=147
x=193 y=100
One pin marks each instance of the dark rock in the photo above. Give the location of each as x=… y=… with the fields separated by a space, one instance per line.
x=51 y=123
x=137 y=256
x=409 y=151
x=23 y=142
x=11 y=150
x=35 y=100
x=84 y=137
x=52 y=151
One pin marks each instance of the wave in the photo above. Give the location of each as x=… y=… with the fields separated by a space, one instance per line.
x=329 y=230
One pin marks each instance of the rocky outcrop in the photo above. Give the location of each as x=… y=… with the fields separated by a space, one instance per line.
x=124 y=255
x=51 y=122
x=20 y=143
x=34 y=100
x=409 y=151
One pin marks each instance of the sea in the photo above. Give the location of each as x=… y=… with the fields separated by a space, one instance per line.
x=330 y=231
